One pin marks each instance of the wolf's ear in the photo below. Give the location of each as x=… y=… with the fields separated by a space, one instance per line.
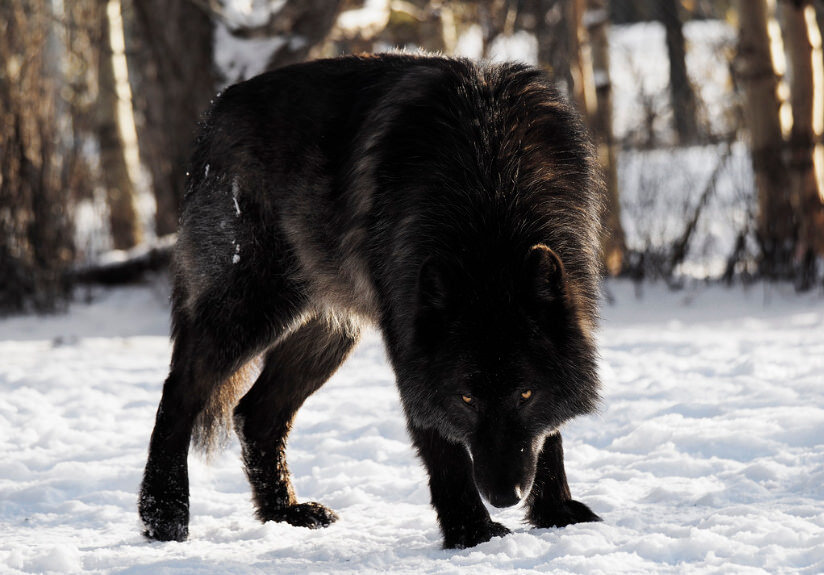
x=545 y=275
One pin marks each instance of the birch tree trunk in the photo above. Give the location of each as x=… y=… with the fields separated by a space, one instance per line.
x=802 y=40
x=582 y=92
x=595 y=19
x=120 y=191
x=775 y=225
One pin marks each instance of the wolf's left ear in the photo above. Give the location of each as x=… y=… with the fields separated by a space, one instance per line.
x=545 y=275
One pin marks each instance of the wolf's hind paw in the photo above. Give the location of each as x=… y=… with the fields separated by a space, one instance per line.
x=164 y=522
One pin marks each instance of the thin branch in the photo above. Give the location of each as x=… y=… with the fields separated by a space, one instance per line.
x=679 y=250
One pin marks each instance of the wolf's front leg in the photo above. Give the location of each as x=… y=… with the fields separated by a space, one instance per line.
x=550 y=503
x=464 y=520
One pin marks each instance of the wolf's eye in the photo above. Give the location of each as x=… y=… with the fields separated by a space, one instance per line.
x=526 y=395
x=467 y=399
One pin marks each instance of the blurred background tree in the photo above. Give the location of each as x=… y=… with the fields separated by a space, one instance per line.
x=115 y=127
x=172 y=54
x=38 y=159
x=99 y=100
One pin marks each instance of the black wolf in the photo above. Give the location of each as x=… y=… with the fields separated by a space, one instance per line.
x=454 y=205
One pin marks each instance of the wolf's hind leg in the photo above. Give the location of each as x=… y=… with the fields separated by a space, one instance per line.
x=209 y=348
x=550 y=503
x=294 y=369
x=164 y=493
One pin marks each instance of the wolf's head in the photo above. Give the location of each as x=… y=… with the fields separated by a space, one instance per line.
x=505 y=364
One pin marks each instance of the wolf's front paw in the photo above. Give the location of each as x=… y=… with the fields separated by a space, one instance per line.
x=164 y=520
x=463 y=536
x=310 y=514
x=567 y=513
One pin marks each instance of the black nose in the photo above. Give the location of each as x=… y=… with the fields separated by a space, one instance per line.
x=505 y=498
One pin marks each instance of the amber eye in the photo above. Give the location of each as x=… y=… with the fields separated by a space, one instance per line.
x=467 y=399
x=526 y=394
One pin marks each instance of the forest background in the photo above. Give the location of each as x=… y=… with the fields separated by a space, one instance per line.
x=706 y=455
x=710 y=134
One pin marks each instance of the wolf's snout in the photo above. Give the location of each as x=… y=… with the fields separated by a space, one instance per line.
x=505 y=498
x=503 y=472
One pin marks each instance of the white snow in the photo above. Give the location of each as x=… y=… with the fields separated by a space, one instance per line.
x=660 y=190
x=707 y=455
x=240 y=58
x=250 y=13
x=471 y=43
x=369 y=19
x=235 y=192
x=518 y=47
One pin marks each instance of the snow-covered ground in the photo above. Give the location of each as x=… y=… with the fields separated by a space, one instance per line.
x=707 y=456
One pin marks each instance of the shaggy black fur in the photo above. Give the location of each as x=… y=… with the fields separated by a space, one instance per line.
x=454 y=205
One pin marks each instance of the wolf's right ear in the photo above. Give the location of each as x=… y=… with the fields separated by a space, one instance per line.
x=545 y=275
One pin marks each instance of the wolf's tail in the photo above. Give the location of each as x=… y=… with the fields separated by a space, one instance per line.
x=213 y=425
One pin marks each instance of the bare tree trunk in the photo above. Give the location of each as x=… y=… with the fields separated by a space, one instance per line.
x=547 y=20
x=802 y=40
x=176 y=79
x=120 y=191
x=554 y=45
x=682 y=96
x=82 y=33
x=492 y=16
x=775 y=225
x=36 y=244
x=307 y=22
x=614 y=244
x=580 y=61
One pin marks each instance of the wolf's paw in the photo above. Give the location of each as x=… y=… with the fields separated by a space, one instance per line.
x=463 y=536
x=164 y=520
x=312 y=515
x=567 y=513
